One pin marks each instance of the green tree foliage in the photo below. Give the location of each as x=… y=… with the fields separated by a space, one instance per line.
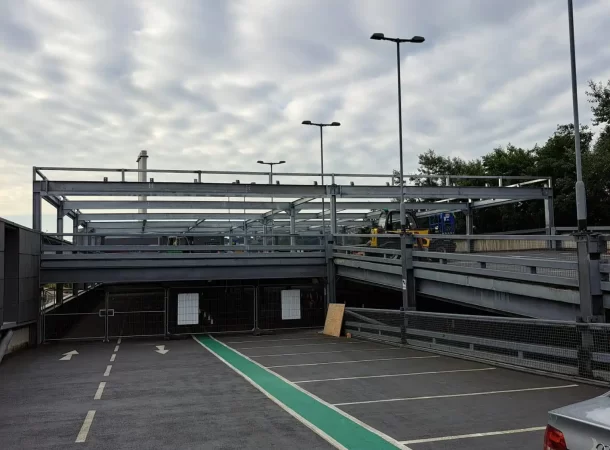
x=599 y=96
x=555 y=159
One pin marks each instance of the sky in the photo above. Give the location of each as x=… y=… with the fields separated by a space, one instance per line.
x=218 y=85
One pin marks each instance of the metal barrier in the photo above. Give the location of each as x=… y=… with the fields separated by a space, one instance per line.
x=564 y=348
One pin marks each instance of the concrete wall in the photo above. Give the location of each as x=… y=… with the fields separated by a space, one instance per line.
x=1 y=273
x=19 y=275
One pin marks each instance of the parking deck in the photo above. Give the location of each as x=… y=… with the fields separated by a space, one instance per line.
x=192 y=397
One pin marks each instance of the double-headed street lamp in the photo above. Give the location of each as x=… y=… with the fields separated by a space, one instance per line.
x=398 y=41
x=271 y=164
x=322 y=125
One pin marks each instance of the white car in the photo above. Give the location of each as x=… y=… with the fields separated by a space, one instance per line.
x=581 y=426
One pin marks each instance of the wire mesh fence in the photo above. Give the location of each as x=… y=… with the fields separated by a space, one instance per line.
x=296 y=307
x=567 y=348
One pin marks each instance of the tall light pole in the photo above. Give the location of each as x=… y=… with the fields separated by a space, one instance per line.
x=581 y=195
x=271 y=164
x=322 y=125
x=398 y=41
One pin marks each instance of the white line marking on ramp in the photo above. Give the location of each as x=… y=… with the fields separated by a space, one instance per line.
x=318 y=353
x=84 y=430
x=410 y=374
x=116 y=349
x=474 y=435
x=429 y=397
x=113 y=357
x=108 y=369
x=272 y=340
x=119 y=341
x=299 y=345
x=100 y=391
x=352 y=362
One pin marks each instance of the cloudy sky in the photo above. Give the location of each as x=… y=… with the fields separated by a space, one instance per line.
x=220 y=84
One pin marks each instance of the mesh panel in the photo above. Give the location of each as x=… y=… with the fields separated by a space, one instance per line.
x=312 y=308
x=567 y=348
x=221 y=309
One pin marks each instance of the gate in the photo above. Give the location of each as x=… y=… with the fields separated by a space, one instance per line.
x=136 y=313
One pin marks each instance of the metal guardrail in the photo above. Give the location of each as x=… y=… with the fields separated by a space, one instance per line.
x=557 y=347
x=524 y=258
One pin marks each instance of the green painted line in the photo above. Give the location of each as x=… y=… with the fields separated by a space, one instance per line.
x=344 y=430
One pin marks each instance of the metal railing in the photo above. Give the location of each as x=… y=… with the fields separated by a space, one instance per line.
x=528 y=258
x=558 y=347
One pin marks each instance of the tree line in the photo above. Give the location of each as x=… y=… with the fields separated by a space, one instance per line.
x=555 y=159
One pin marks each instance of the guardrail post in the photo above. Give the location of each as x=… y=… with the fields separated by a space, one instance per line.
x=403 y=326
x=331 y=290
x=589 y=247
x=549 y=217
x=408 y=278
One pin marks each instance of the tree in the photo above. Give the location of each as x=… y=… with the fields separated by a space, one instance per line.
x=599 y=96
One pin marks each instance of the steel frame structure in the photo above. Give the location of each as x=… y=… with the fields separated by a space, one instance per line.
x=93 y=205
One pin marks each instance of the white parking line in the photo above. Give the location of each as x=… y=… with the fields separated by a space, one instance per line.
x=272 y=340
x=410 y=374
x=299 y=345
x=474 y=435
x=100 y=391
x=317 y=353
x=116 y=349
x=352 y=361
x=119 y=341
x=108 y=369
x=113 y=357
x=472 y=394
x=84 y=430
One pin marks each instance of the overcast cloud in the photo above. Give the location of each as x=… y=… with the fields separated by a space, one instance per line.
x=218 y=85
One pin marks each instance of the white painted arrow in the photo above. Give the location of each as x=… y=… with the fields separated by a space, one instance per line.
x=68 y=356
x=161 y=349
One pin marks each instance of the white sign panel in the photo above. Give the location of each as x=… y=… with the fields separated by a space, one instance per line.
x=291 y=304
x=188 y=309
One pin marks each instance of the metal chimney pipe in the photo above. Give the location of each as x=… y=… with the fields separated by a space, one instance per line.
x=142 y=165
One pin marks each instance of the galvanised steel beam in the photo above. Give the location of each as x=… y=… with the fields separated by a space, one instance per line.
x=169 y=216
x=95 y=188
x=150 y=225
x=112 y=188
x=161 y=274
x=440 y=192
x=171 y=204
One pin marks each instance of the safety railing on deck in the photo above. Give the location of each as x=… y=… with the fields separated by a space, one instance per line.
x=528 y=258
x=559 y=347
x=162 y=246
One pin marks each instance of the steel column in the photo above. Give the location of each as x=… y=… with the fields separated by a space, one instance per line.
x=549 y=219
x=37 y=211
x=293 y=223
x=333 y=214
x=331 y=289
x=408 y=276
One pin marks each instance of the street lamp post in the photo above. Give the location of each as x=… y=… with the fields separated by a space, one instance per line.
x=322 y=125
x=398 y=41
x=271 y=164
x=581 y=196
